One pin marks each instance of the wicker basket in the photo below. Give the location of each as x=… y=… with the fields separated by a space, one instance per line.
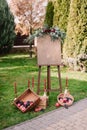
x=29 y=96
x=65 y=99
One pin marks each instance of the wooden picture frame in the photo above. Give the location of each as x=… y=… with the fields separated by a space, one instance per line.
x=48 y=51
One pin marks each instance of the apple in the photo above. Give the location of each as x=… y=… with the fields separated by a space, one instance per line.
x=38 y=109
x=21 y=106
x=69 y=102
x=61 y=100
x=57 y=104
x=23 y=109
x=64 y=100
x=18 y=104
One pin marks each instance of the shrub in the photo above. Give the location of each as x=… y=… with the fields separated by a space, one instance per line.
x=7 y=26
x=49 y=14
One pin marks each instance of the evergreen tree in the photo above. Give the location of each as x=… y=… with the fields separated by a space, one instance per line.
x=61 y=11
x=76 y=39
x=7 y=27
x=49 y=14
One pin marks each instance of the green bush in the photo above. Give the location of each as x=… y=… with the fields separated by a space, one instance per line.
x=61 y=12
x=7 y=26
x=76 y=37
x=49 y=14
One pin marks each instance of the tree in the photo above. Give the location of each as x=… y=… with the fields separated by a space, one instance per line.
x=61 y=12
x=29 y=15
x=75 y=46
x=76 y=38
x=49 y=14
x=7 y=26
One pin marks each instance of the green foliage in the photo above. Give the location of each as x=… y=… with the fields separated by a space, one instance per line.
x=53 y=32
x=49 y=14
x=61 y=11
x=76 y=39
x=7 y=26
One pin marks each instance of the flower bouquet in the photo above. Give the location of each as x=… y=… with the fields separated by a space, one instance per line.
x=54 y=33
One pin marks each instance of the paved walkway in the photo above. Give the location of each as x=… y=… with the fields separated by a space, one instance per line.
x=73 y=118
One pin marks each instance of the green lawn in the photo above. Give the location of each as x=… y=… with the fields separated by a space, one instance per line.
x=19 y=69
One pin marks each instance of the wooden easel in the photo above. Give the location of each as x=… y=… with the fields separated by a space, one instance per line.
x=49 y=80
x=48 y=54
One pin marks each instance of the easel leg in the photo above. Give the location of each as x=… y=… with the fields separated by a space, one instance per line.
x=38 y=87
x=60 y=85
x=48 y=80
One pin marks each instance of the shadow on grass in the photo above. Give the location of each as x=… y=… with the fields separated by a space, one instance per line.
x=17 y=61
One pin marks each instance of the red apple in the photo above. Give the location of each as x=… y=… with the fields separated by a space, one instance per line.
x=38 y=109
x=61 y=100
x=23 y=109
x=18 y=104
x=64 y=100
x=57 y=104
x=69 y=102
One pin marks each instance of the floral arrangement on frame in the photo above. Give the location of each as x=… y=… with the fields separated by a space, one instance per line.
x=54 y=33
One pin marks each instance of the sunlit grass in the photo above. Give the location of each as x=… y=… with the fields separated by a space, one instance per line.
x=20 y=69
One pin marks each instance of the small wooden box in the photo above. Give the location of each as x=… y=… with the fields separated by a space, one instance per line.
x=28 y=95
x=43 y=102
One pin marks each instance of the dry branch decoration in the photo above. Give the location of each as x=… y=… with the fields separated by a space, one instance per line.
x=28 y=14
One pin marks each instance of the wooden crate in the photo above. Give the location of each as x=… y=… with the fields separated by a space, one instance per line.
x=30 y=96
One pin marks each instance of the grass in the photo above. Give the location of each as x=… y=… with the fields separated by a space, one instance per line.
x=20 y=68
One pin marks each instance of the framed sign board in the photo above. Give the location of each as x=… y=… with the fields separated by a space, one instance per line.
x=48 y=51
